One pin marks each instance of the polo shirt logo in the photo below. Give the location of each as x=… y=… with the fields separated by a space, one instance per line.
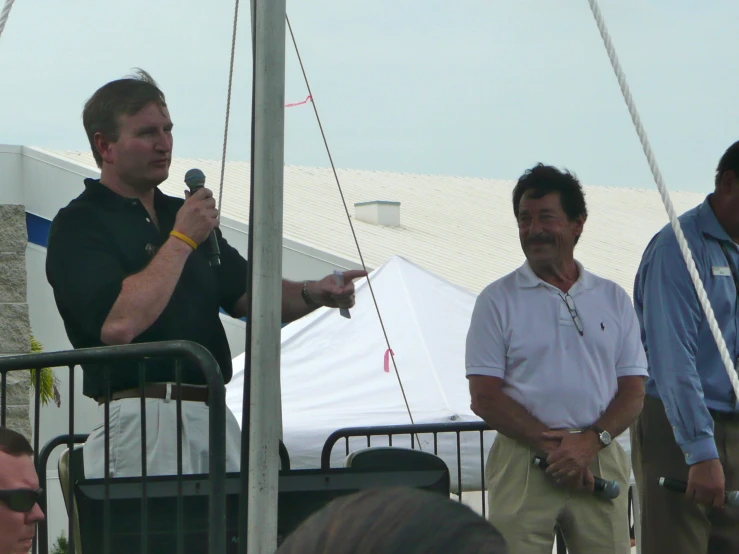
x=151 y=250
x=602 y=327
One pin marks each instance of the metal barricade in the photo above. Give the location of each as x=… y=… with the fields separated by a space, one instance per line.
x=42 y=461
x=197 y=356
x=414 y=432
x=435 y=430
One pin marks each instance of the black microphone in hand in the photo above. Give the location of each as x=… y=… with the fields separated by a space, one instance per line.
x=606 y=489
x=730 y=497
x=195 y=180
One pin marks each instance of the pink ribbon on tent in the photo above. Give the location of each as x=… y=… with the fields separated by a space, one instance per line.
x=307 y=99
x=387 y=360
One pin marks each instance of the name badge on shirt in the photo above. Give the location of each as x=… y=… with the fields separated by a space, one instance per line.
x=721 y=271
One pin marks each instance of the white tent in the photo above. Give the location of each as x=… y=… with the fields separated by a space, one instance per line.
x=335 y=371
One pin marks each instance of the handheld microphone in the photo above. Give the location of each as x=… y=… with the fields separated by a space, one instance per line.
x=339 y=277
x=730 y=497
x=195 y=180
x=606 y=489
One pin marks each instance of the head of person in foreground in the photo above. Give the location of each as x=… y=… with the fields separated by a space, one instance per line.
x=19 y=493
x=395 y=521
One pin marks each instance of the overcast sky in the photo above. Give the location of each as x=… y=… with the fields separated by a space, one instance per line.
x=481 y=88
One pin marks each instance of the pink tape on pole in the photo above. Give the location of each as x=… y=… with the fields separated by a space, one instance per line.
x=307 y=99
x=387 y=360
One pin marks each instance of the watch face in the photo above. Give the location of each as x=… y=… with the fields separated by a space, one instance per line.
x=605 y=438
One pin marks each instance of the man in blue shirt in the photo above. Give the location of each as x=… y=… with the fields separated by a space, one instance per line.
x=689 y=427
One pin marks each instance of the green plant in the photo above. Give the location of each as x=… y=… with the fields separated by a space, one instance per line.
x=49 y=384
x=61 y=546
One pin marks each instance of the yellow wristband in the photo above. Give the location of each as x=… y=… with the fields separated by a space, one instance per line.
x=184 y=238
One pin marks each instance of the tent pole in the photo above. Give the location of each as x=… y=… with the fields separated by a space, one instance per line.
x=267 y=180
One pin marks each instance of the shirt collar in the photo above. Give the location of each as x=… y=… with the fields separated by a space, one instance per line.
x=708 y=222
x=98 y=190
x=528 y=279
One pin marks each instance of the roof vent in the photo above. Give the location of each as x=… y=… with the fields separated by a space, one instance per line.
x=378 y=212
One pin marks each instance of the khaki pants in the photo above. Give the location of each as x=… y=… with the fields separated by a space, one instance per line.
x=525 y=504
x=669 y=521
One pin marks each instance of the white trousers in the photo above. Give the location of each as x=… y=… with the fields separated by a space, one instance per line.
x=161 y=439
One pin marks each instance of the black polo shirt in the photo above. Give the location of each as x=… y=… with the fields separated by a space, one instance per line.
x=101 y=238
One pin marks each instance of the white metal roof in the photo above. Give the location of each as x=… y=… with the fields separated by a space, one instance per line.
x=460 y=228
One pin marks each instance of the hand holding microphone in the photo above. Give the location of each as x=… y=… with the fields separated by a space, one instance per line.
x=731 y=498
x=706 y=483
x=602 y=488
x=198 y=217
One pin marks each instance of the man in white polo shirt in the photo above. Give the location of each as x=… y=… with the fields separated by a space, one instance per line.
x=555 y=365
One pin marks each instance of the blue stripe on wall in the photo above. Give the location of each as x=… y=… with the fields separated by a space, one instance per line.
x=38 y=234
x=38 y=229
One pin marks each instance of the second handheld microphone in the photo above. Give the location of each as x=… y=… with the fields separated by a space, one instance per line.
x=730 y=497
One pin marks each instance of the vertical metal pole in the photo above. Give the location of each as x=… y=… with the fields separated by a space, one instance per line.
x=459 y=466
x=36 y=433
x=483 y=484
x=266 y=300
x=70 y=447
x=3 y=397
x=106 y=469
x=144 y=470
x=246 y=399
x=180 y=499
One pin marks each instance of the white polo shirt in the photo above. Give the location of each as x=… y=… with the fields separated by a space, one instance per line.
x=523 y=332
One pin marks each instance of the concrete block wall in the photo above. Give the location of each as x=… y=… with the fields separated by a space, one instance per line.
x=15 y=329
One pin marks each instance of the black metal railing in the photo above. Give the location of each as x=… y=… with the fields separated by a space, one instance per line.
x=415 y=432
x=432 y=431
x=42 y=461
x=179 y=351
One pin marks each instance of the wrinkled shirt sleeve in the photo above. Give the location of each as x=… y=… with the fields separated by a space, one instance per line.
x=671 y=319
x=485 y=352
x=631 y=360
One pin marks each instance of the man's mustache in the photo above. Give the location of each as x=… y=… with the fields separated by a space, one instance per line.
x=540 y=239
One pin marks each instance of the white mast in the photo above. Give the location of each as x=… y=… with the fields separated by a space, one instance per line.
x=266 y=226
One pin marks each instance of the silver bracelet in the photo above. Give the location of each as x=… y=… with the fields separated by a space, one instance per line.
x=306 y=297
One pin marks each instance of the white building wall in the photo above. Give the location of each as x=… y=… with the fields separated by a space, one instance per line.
x=11 y=190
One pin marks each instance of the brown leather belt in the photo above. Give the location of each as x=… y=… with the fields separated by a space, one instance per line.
x=188 y=393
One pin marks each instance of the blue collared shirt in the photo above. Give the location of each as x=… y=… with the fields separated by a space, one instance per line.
x=685 y=368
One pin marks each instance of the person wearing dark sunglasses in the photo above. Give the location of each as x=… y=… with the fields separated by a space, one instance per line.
x=19 y=494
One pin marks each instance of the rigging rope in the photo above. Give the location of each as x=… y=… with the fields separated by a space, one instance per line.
x=228 y=106
x=348 y=216
x=657 y=174
x=4 y=14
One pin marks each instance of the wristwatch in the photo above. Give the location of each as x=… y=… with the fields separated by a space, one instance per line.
x=604 y=437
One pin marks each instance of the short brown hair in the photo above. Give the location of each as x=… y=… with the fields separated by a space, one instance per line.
x=541 y=180
x=395 y=521
x=13 y=443
x=111 y=101
x=728 y=162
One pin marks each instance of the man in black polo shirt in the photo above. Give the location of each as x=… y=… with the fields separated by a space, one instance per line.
x=124 y=265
